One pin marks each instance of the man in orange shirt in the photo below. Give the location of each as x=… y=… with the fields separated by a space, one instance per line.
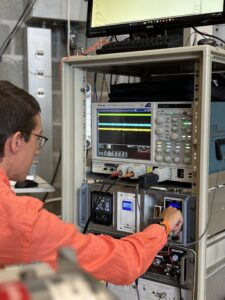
x=30 y=233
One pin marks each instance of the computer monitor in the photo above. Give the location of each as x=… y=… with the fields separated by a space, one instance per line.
x=108 y=18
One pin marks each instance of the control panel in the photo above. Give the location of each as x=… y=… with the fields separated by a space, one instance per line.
x=128 y=216
x=173 y=134
x=175 y=266
x=123 y=211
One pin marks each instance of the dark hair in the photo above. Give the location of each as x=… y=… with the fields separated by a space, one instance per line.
x=17 y=112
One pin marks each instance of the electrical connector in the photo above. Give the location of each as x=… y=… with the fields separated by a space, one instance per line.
x=136 y=171
x=164 y=173
x=147 y=180
x=122 y=170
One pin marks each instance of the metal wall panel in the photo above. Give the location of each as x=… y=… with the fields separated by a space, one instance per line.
x=39 y=85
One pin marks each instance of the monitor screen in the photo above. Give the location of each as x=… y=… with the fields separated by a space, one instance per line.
x=107 y=17
x=122 y=132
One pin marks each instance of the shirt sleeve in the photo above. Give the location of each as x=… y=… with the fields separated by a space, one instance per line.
x=119 y=261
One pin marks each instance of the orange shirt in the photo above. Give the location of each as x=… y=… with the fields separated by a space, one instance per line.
x=29 y=233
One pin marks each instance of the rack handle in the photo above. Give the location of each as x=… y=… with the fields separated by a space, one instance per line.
x=218 y=144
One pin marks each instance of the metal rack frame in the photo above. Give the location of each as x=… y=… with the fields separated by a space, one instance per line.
x=198 y=60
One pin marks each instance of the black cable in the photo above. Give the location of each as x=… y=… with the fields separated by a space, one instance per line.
x=98 y=200
x=95 y=87
x=136 y=287
x=179 y=286
x=207 y=34
x=103 y=80
x=7 y=41
x=54 y=175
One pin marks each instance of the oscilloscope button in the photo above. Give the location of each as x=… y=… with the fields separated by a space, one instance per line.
x=159 y=120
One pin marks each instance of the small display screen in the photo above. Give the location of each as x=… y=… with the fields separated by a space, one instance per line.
x=127 y=205
x=174 y=203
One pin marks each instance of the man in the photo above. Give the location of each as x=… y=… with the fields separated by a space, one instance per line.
x=30 y=233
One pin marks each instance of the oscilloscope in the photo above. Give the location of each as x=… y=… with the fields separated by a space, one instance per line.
x=150 y=133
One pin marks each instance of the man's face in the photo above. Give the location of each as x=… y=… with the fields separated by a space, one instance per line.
x=28 y=151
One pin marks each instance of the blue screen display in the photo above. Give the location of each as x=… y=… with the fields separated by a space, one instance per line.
x=174 y=203
x=127 y=205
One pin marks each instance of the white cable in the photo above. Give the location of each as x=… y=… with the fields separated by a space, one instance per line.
x=52 y=200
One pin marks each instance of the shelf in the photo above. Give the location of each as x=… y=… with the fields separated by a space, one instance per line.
x=43 y=187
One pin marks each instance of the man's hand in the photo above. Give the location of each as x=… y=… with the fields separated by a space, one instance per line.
x=174 y=217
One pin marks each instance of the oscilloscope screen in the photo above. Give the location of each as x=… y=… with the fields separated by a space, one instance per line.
x=124 y=133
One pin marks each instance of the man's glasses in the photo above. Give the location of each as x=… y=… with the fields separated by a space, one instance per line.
x=41 y=140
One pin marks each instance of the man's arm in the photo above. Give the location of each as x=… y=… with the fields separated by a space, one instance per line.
x=116 y=261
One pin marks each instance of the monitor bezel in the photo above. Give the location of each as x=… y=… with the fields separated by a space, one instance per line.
x=158 y=26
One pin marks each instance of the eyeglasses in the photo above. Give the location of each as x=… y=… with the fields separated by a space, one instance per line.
x=41 y=140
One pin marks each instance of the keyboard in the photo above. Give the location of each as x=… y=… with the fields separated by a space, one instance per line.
x=136 y=44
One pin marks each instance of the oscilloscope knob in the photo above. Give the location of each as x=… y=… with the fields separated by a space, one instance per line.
x=159 y=158
x=174 y=136
x=168 y=158
x=187 y=160
x=159 y=120
x=156 y=262
x=159 y=131
x=176 y=159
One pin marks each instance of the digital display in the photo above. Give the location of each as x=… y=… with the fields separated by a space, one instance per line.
x=174 y=203
x=127 y=205
x=124 y=133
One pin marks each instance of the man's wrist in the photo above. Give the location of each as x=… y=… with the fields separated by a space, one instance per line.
x=162 y=222
x=166 y=225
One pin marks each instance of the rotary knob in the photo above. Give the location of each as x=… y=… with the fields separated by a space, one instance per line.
x=159 y=120
x=156 y=262
x=187 y=160
x=176 y=159
x=159 y=158
x=159 y=130
x=174 y=136
x=168 y=158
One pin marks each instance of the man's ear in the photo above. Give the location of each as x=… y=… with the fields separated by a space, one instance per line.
x=16 y=141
